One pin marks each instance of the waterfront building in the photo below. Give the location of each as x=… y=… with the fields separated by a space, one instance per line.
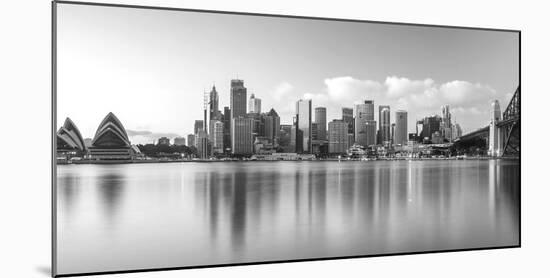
x=179 y=141
x=69 y=139
x=203 y=145
x=272 y=126
x=446 y=124
x=303 y=126
x=254 y=104
x=364 y=112
x=401 y=129
x=241 y=135
x=293 y=136
x=384 y=128
x=495 y=135
x=111 y=141
x=338 y=136
x=164 y=141
x=347 y=116
x=191 y=140
x=237 y=99
x=321 y=121
x=216 y=136
x=314 y=131
x=370 y=132
x=199 y=125
x=285 y=138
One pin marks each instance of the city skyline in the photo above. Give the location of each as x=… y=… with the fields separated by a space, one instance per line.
x=160 y=94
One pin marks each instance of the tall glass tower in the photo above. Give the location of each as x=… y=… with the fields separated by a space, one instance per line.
x=303 y=126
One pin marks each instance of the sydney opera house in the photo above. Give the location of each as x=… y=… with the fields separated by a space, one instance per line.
x=110 y=142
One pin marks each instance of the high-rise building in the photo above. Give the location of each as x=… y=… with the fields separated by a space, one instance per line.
x=214 y=101
x=446 y=124
x=191 y=140
x=303 y=126
x=242 y=139
x=314 y=131
x=237 y=98
x=321 y=121
x=272 y=126
x=430 y=125
x=384 y=128
x=364 y=112
x=164 y=141
x=401 y=130
x=216 y=136
x=226 y=129
x=179 y=141
x=347 y=116
x=495 y=135
x=203 y=144
x=254 y=105
x=337 y=136
x=199 y=125
x=370 y=131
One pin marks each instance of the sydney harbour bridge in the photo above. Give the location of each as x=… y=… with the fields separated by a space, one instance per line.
x=502 y=135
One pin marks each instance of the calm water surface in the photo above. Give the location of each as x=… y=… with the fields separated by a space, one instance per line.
x=130 y=216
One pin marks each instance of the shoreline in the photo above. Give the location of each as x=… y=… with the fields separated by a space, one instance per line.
x=107 y=162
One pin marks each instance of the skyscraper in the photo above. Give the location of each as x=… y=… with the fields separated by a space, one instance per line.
x=430 y=125
x=401 y=128
x=272 y=126
x=254 y=105
x=321 y=120
x=364 y=112
x=303 y=126
x=370 y=131
x=337 y=136
x=226 y=128
x=237 y=98
x=214 y=100
x=347 y=116
x=384 y=128
x=242 y=141
x=216 y=136
x=203 y=144
x=191 y=140
x=446 y=124
x=199 y=125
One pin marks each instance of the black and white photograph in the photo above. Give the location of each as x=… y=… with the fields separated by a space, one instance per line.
x=193 y=138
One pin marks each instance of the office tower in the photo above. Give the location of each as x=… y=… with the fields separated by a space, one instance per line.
x=401 y=130
x=430 y=125
x=203 y=145
x=314 y=131
x=191 y=140
x=272 y=126
x=226 y=129
x=446 y=124
x=347 y=116
x=321 y=120
x=303 y=126
x=215 y=136
x=254 y=105
x=392 y=136
x=237 y=98
x=457 y=131
x=337 y=136
x=199 y=125
x=495 y=135
x=214 y=100
x=179 y=141
x=164 y=141
x=364 y=112
x=370 y=132
x=294 y=136
x=384 y=128
x=242 y=140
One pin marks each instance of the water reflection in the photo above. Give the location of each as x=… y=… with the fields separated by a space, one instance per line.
x=242 y=212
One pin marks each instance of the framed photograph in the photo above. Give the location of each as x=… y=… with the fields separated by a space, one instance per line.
x=192 y=138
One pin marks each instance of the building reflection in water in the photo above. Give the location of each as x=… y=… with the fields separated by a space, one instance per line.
x=111 y=189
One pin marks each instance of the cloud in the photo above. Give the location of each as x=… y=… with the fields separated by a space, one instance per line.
x=282 y=91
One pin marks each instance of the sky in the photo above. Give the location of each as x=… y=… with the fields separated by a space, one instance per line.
x=151 y=67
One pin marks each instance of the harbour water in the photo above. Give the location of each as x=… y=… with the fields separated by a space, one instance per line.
x=136 y=216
